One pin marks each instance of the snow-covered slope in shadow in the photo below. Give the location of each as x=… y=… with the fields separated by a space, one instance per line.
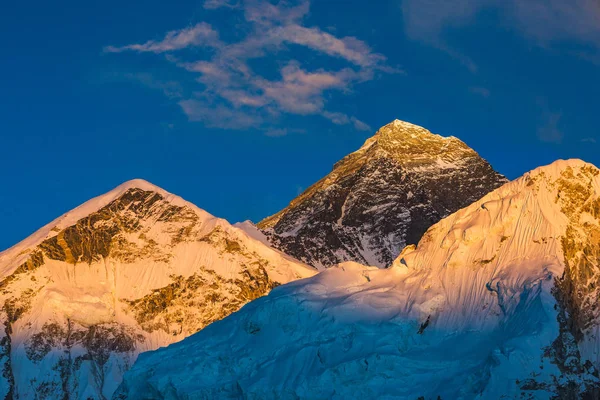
x=498 y=300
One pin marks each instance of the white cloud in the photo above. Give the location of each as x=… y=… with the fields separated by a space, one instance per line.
x=285 y=12
x=201 y=34
x=299 y=91
x=228 y=81
x=349 y=48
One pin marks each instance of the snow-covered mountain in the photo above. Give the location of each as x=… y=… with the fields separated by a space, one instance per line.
x=498 y=300
x=126 y=272
x=381 y=197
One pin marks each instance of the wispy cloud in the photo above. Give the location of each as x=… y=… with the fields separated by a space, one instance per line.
x=343 y=119
x=545 y=22
x=171 y=89
x=480 y=91
x=276 y=132
x=359 y=125
x=426 y=20
x=548 y=21
x=218 y=116
x=348 y=48
x=301 y=92
x=549 y=123
x=201 y=34
x=233 y=95
x=213 y=4
x=549 y=131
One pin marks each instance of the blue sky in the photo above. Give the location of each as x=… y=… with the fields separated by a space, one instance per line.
x=238 y=106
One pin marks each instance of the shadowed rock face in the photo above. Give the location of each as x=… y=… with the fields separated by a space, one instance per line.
x=381 y=198
x=75 y=346
x=578 y=290
x=174 y=308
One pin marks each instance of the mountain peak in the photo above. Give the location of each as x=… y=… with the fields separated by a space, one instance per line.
x=91 y=206
x=557 y=168
x=562 y=182
x=133 y=269
x=416 y=147
x=404 y=126
x=398 y=128
x=381 y=197
x=412 y=146
x=139 y=183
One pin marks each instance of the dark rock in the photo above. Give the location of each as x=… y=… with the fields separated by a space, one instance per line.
x=381 y=198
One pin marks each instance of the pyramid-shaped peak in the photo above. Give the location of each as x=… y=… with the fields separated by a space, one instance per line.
x=381 y=197
x=93 y=205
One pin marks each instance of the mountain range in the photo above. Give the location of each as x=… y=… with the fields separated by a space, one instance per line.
x=498 y=300
x=412 y=270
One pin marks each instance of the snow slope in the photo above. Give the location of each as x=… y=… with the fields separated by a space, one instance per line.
x=126 y=272
x=498 y=300
x=381 y=197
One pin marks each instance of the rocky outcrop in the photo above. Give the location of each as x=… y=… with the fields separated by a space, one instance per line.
x=189 y=304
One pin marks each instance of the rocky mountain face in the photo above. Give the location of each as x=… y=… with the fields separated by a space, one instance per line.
x=133 y=270
x=498 y=300
x=381 y=198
